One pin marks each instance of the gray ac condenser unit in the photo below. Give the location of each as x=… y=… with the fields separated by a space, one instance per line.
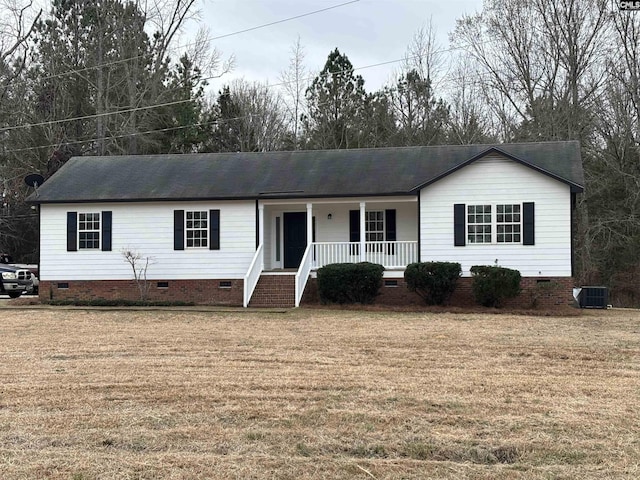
x=593 y=297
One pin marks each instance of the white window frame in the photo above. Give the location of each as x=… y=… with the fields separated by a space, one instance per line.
x=195 y=234
x=501 y=226
x=378 y=221
x=476 y=230
x=510 y=221
x=89 y=226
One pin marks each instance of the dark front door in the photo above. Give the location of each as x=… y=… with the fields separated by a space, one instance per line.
x=295 y=238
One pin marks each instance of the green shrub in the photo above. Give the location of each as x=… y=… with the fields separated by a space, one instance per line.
x=433 y=281
x=492 y=285
x=349 y=282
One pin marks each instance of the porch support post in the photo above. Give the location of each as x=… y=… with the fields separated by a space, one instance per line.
x=260 y=224
x=309 y=224
x=363 y=235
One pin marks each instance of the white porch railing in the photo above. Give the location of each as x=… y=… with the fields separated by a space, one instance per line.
x=303 y=273
x=388 y=254
x=253 y=275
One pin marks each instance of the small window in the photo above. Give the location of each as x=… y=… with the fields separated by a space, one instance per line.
x=391 y=283
x=374 y=229
x=163 y=284
x=88 y=231
x=197 y=229
x=63 y=285
x=374 y=226
x=479 y=223
x=225 y=284
x=508 y=223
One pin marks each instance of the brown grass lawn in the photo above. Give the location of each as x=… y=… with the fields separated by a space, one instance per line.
x=315 y=394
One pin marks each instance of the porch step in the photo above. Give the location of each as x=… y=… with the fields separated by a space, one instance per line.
x=274 y=291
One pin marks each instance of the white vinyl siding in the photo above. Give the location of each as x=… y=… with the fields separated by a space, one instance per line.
x=497 y=180
x=148 y=229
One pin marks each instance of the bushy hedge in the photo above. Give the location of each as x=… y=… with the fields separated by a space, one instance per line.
x=492 y=285
x=433 y=281
x=349 y=282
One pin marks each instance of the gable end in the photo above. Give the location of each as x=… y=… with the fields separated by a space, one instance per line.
x=575 y=188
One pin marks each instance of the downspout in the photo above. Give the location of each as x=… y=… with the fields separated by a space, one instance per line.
x=419 y=259
x=573 y=228
x=363 y=230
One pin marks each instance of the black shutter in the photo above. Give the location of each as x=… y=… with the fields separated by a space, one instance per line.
x=459 y=225
x=528 y=224
x=390 y=230
x=72 y=231
x=354 y=231
x=278 y=241
x=178 y=229
x=106 y=231
x=214 y=229
x=313 y=235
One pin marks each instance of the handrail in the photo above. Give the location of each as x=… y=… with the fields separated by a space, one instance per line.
x=252 y=276
x=302 y=275
x=390 y=254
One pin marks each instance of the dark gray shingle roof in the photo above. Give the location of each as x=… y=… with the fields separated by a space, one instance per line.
x=314 y=173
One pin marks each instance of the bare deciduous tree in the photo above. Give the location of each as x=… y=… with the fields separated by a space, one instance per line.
x=295 y=83
x=469 y=118
x=19 y=19
x=425 y=55
x=544 y=58
x=139 y=264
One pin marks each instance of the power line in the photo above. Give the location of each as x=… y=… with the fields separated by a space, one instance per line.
x=94 y=115
x=130 y=110
x=125 y=135
x=178 y=102
x=226 y=35
x=168 y=129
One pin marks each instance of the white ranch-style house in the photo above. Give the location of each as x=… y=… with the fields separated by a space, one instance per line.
x=252 y=228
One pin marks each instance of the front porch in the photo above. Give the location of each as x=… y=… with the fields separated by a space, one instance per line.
x=391 y=255
x=295 y=238
x=285 y=287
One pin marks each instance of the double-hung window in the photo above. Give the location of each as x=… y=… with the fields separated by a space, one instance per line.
x=497 y=224
x=374 y=229
x=379 y=230
x=508 y=226
x=88 y=231
x=479 y=223
x=197 y=229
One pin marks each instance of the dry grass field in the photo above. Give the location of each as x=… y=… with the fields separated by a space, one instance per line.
x=318 y=394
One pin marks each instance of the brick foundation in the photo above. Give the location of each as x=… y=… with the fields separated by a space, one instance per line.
x=543 y=293
x=279 y=291
x=201 y=292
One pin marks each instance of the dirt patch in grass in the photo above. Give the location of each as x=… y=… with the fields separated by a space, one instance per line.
x=319 y=394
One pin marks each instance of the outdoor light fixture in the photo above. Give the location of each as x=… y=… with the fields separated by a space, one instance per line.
x=329 y=217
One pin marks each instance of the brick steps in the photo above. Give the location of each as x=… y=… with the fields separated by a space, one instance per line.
x=274 y=291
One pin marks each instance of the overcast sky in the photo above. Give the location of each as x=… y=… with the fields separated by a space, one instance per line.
x=368 y=32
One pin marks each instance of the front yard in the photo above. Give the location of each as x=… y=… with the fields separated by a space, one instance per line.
x=318 y=394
